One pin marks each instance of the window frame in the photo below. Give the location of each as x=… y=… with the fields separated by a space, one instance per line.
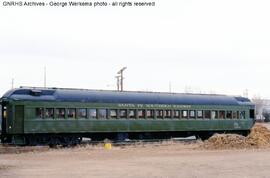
x=224 y=114
x=157 y=114
x=183 y=115
x=235 y=114
x=167 y=114
x=206 y=114
x=143 y=114
x=42 y=113
x=99 y=113
x=152 y=113
x=189 y=114
x=78 y=113
x=244 y=115
x=116 y=113
x=216 y=114
x=90 y=116
x=197 y=115
x=179 y=114
x=67 y=110
x=57 y=114
x=53 y=113
x=126 y=114
x=227 y=112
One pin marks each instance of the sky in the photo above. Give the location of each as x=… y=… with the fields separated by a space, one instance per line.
x=201 y=46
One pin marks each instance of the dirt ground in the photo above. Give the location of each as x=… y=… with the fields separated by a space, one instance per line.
x=166 y=160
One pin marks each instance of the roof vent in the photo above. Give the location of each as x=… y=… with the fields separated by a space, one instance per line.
x=36 y=92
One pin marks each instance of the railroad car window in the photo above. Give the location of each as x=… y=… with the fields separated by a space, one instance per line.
x=214 y=114
x=49 y=112
x=221 y=114
x=235 y=114
x=92 y=113
x=207 y=114
x=192 y=114
x=82 y=113
x=71 y=113
x=159 y=114
x=184 y=114
x=242 y=114
x=199 y=114
x=131 y=113
x=141 y=113
x=251 y=113
x=229 y=114
x=176 y=114
x=168 y=114
x=123 y=113
x=60 y=112
x=39 y=113
x=150 y=113
x=102 y=113
x=113 y=113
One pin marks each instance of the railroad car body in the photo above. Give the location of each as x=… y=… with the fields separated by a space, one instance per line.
x=31 y=116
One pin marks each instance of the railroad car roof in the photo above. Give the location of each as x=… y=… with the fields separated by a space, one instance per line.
x=105 y=96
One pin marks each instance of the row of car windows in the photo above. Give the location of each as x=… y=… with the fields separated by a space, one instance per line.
x=93 y=113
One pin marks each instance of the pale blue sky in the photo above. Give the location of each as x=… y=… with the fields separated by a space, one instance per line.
x=209 y=46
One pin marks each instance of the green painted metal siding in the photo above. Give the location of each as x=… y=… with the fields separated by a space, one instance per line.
x=18 y=119
x=31 y=124
x=77 y=126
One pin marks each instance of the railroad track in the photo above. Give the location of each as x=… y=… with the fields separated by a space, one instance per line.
x=136 y=142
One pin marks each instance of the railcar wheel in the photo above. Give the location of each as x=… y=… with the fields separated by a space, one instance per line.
x=54 y=141
x=121 y=136
x=70 y=141
x=31 y=140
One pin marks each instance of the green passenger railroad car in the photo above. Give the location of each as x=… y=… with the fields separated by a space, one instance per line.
x=34 y=116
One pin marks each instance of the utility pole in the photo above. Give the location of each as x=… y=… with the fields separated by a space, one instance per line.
x=245 y=93
x=12 y=83
x=120 y=72
x=45 y=77
x=118 y=82
x=170 y=87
